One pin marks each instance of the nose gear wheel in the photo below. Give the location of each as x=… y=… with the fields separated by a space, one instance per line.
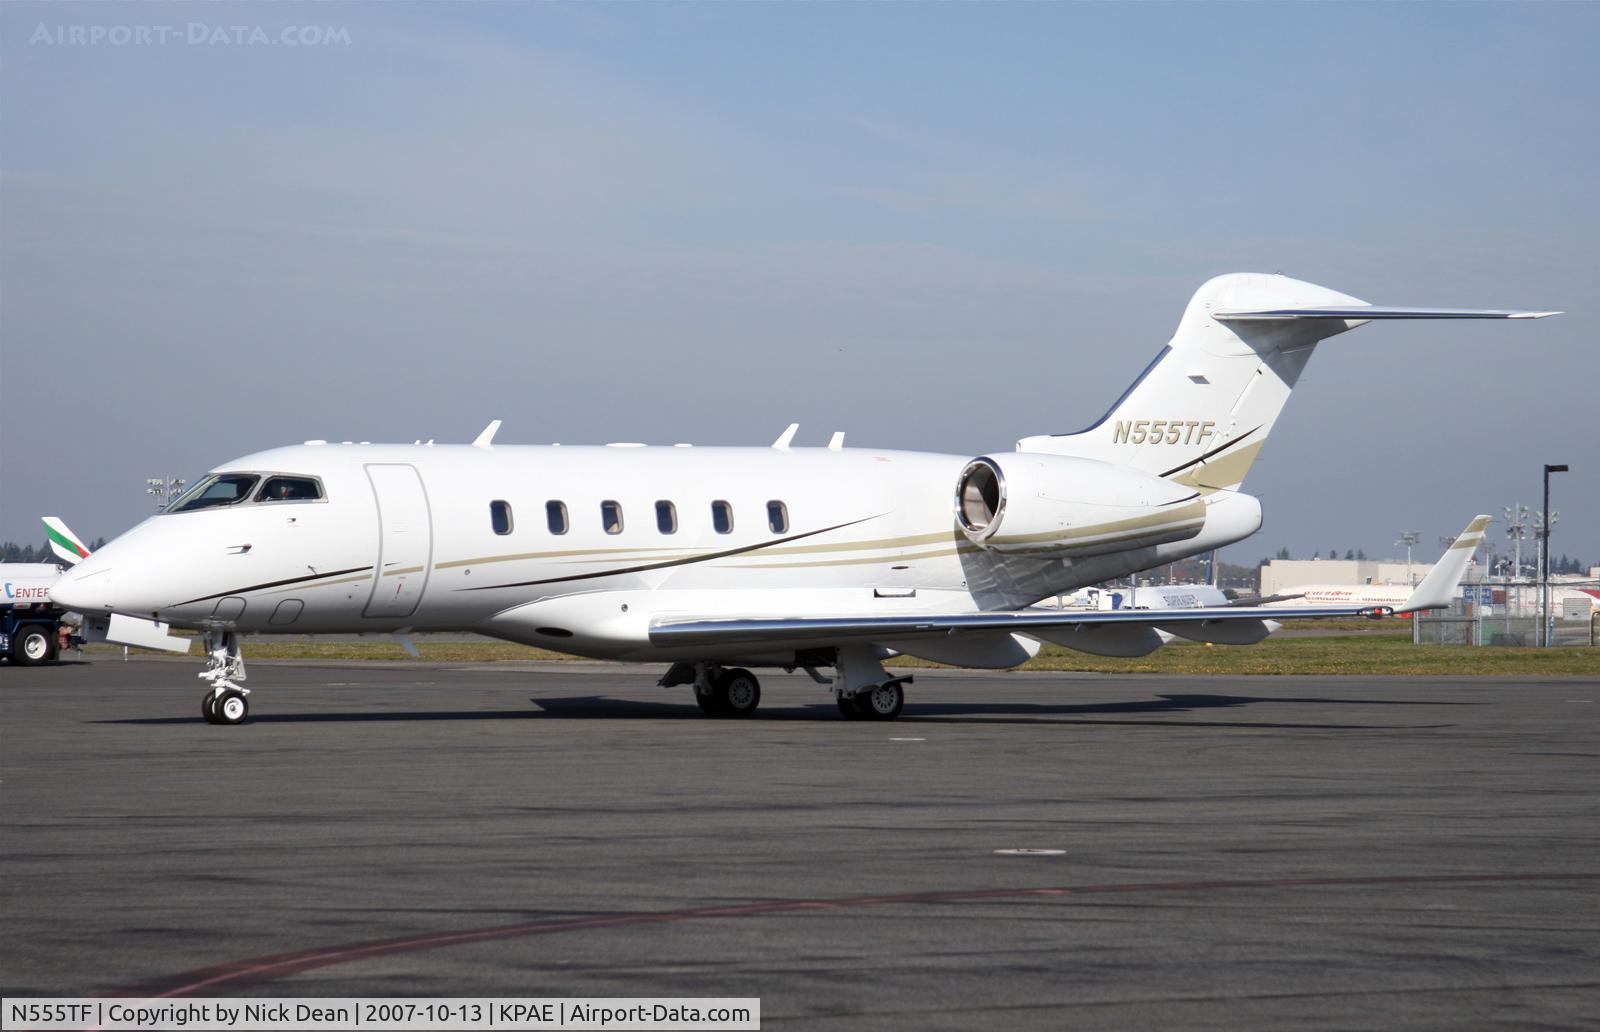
x=225 y=702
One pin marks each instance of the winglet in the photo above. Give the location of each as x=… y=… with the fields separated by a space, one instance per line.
x=486 y=438
x=63 y=542
x=782 y=443
x=1438 y=588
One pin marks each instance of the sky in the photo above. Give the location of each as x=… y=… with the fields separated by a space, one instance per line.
x=940 y=227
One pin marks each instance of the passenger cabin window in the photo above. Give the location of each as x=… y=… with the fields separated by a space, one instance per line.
x=289 y=489
x=500 y=517
x=666 y=517
x=216 y=491
x=778 y=517
x=722 y=517
x=611 y=516
x=556 y=514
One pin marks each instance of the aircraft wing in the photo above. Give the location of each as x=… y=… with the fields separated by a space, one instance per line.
x=1262 y=600
x=1437 y=590
x=1019 y=621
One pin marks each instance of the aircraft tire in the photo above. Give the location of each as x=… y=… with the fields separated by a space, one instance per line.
x=207 y=709
x=737 y=693
x=232 y=708
x=847 y=707
x=31 y=646
x=707 y=702
x=882 y=701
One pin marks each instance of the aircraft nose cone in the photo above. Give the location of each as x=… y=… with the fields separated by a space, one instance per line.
x=84 y=588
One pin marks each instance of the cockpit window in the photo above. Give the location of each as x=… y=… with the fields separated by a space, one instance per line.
x=212 y=492
x=290 y=489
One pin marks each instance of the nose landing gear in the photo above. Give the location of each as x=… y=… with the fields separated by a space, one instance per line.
x=224 y=702
x=230 y=707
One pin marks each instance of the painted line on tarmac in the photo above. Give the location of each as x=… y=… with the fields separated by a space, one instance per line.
x=250 y=971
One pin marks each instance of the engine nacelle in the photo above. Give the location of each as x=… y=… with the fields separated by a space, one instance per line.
x=1058 y=505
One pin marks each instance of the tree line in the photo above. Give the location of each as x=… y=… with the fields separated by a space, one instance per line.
x=11 y=552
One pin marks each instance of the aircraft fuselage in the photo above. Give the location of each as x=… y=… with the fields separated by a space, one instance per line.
x=577 y=549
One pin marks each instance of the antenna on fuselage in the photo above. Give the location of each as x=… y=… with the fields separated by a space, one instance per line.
x=782 y=443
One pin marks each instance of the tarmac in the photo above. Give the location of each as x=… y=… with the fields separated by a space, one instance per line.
x=1220 y=852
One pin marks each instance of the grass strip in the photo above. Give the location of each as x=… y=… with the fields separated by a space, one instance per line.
x=1364 y=653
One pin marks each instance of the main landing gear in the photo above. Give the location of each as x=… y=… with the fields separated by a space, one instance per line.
x=875 y=701
x=225 y=701
x=731 y=692
x=861 y=687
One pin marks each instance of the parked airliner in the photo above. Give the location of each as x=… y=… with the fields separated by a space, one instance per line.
x=716 y=560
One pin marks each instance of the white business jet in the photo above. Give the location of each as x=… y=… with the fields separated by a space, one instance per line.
x=716 y=560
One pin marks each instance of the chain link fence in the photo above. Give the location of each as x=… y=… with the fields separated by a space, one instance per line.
x=1467 y=624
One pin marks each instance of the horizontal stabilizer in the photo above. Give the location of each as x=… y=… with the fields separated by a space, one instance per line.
x=1367 y=312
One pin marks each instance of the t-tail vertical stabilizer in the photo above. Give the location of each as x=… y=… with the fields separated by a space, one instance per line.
x=1200 y=413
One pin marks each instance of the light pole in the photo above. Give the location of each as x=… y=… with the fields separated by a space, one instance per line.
x=1409 y=538
x=1544 y=576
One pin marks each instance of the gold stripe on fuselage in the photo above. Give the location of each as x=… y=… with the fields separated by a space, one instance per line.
x=861 y=561
x=484 y=560
x=660 y=553
x=1155 y=521
x=296 y=588
x=1042 y=550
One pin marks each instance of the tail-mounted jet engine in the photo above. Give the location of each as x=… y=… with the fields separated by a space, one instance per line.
x=1055 y=505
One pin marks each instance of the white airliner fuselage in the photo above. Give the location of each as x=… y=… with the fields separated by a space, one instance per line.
x=796 y=557
x=1344 y=595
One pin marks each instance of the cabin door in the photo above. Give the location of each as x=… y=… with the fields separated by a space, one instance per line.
x=405 y=540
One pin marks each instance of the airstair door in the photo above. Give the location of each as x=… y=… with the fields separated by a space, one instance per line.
x=405 y=540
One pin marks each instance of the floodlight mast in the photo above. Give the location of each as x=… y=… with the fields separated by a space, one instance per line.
x=1409 y=538
x=1516 y=530
x=164 y=489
